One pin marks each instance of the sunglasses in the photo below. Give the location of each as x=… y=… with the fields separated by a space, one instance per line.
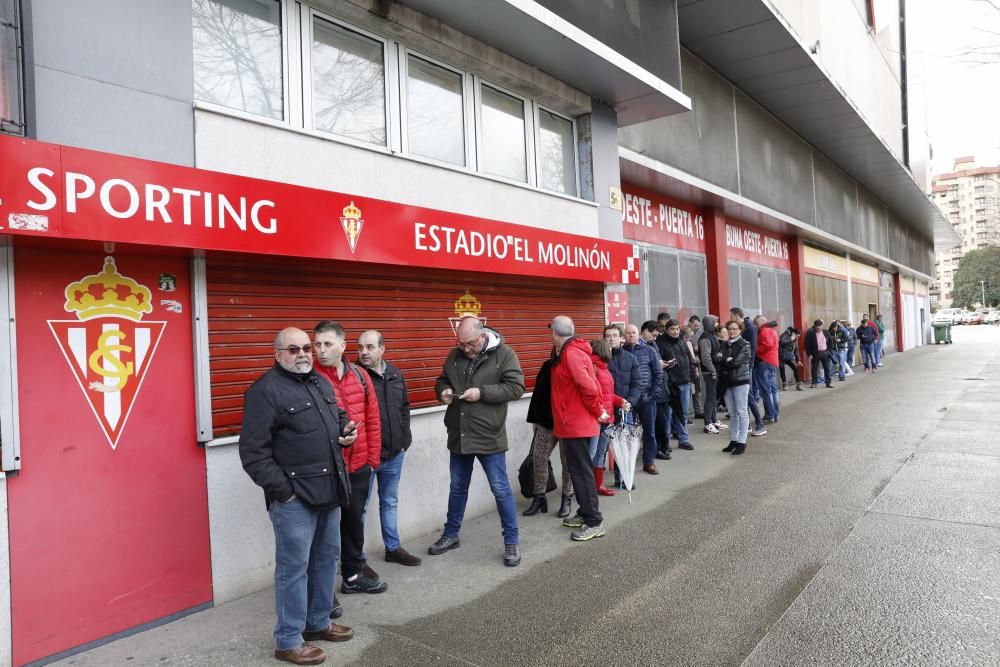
x=295 y=349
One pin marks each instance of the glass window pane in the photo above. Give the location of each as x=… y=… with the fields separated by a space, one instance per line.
x=237 y=55
x=435 y=119
x=503 y=135
x=556 y=155
x=10 y=74
x=348 y=83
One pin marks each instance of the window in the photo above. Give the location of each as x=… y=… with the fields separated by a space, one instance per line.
x=556 y=153
x=238 y=60
x=348 y=83
x=435 y=112
x=503 y=135
x=11 y=99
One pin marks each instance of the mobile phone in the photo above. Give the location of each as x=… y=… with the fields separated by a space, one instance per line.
x=349 y=429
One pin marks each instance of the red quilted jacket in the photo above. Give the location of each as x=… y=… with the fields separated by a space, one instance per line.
x=609 y=399
x=576 y=395
x=362 y=410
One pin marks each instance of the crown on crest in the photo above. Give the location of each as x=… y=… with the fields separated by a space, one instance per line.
x=108 y=293
x=352 y=212
x=467 y=305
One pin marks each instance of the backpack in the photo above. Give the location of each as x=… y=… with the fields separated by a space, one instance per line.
x=361 y=379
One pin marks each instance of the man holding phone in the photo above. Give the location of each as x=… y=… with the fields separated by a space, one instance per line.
x=354 y=394
x=480 y=376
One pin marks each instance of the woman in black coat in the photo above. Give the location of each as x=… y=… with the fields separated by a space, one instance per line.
x=542 y=444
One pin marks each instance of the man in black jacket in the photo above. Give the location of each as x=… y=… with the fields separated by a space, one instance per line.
x=677 y=367
x=290 y=446
x=394 y=410
x=819 y=347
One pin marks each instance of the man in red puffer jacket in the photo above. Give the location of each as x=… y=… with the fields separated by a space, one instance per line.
x=353 y=393
x=577 y=411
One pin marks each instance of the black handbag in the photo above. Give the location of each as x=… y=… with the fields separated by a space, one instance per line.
x=526 y=477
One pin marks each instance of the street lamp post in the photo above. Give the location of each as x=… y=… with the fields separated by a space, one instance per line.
x=982 y=285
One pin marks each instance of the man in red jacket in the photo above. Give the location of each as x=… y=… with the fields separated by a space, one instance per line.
x=577 y=411
x=765 y=368
x=359 y=401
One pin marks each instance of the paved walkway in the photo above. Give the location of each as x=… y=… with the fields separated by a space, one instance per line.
x=863 y=530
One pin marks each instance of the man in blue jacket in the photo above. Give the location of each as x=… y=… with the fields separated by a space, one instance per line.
x=651 y=391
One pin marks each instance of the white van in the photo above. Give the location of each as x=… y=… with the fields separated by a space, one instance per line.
x=948 y=316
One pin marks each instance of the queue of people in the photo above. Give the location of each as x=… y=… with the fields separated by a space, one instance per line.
x=318 y=439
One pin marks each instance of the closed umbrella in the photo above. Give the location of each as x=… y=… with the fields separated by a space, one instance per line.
x=625 y=441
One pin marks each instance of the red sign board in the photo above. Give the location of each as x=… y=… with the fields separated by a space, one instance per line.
x=749 y=244
x=662 y=220
x=616 y=305
x=61 y=192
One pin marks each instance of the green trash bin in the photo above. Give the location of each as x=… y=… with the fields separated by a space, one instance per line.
x=942 y=332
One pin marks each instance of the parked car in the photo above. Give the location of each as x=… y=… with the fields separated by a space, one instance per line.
x=992 y=317
x=948 y=316
x=972 y=317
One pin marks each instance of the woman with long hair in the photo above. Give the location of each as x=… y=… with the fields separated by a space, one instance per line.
x=736 y=367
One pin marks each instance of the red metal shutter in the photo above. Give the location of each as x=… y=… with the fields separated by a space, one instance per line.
x=251 y=298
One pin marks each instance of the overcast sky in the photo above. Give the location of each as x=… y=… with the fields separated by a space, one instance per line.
x=963 y=100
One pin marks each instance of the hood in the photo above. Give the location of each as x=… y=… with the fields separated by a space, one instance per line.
x=493 y=339
x=598 y=362
x=578 y=343
x=708 y=324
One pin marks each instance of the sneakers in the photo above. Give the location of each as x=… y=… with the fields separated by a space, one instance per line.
x=401 y=556
x=757 y=432
x=574 y=521
x=511 y=555
x=720 y=426
x=362 y=584
x=585 y=533
x=444 y=544
x=338 y=609
x=711 y=428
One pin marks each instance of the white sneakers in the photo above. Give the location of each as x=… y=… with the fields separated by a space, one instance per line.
x=711 y=428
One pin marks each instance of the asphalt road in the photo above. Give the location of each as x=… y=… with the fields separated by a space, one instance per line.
x=864 y=529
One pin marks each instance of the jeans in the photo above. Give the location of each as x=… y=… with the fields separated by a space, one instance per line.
x=647 y=417
x=306 y=549
x=598 y=448
x=822 y=358
x=753 y=396
x=679 y=396
x=765 y=374
x=851 y=347
x=495 y=467
x=581 y=470
x=663 y=426
x=698 y=395
x=868 y=355
x=878 y=351
x=352 y=523
x=737 y=399
x=794 y=367
x=842 y=363
x=388 y=475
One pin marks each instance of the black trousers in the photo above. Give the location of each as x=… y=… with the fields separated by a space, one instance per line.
x=795 y=369
x=711 y=401
x=352 y=525
x=822 y=358
x=581 y=471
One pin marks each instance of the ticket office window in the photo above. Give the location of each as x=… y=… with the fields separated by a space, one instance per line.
x=673 y=281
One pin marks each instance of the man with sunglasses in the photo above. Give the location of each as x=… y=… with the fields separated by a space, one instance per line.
x=480 y=376
x=290 y=445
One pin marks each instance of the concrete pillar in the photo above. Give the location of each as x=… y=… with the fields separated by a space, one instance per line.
x=898 y=293
x=799 y=301
x=715 y=262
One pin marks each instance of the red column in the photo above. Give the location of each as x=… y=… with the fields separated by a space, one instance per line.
x=715 y=263
x=799 y=302
x=897 y=290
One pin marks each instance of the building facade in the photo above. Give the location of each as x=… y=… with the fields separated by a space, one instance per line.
x=969 y=196
x=181 y=180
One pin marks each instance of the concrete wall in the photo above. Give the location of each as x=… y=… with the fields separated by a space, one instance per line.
x=231 y=145
x=6 y=657
x=242 y=540
x=111 y=75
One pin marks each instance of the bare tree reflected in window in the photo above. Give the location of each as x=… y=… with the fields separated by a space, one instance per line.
x=237 y=55
x=504 y=152
x=348 y=83
x=556 y=154
x=434 y=112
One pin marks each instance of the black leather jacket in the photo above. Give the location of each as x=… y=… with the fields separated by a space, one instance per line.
x=289 y=440
x=736 y=362
x=394 y=410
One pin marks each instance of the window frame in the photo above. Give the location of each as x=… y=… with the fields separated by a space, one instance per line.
x=538 y=108
x=389 y=64
x=285 y=32
x=528 y=142
x=468 y=111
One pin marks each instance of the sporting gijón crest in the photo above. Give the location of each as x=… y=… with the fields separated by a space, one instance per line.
x=108 y=347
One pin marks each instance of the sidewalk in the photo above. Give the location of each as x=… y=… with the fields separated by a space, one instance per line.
x=711 y=564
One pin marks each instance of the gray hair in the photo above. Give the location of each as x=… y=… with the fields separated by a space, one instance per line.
x=562 y=326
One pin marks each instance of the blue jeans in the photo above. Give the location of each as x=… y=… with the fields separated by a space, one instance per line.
x=841 y=363
x=739 y=419
x=388 y=474
x=764 y=374
x=495 y=467
x=850 y=355
x=647 y=417
x=598 y=450
x=678 y=412
x=868 y=355
x=306 y=549
x=753 y=395
x=878 y=351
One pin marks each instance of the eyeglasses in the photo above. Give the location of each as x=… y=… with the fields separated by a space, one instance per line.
x=295 y=349
x=469 y=345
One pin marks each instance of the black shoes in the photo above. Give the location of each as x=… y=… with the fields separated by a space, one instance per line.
x=362 y=584
x=687 y=446
x=739 y=449
x=401 y=556
x=511 y=555
x=444 y=544
x=663 y=454
x=565 y=506
x=538 y=504
x=338 y=609
x=731 y=446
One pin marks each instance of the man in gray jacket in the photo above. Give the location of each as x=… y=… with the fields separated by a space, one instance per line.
x=480 y=376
